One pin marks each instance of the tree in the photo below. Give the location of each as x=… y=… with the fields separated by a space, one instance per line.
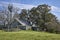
x=41 y=17
x=23 y=14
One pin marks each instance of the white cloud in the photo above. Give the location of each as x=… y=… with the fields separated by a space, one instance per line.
x=18 y=5
x=55 y=9
x=23 y=6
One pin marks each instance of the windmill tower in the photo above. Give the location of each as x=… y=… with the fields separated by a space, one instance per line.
x=10 y=7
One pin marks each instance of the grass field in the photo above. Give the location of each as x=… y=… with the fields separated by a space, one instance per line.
x=28 y=35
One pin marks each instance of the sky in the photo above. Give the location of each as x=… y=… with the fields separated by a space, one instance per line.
x=28 y=4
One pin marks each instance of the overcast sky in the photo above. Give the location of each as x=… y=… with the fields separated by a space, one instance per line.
x=28 y=4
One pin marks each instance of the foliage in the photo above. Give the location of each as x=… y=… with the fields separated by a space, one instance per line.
x=41 y=17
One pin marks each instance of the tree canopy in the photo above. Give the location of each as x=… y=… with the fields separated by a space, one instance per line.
x=41 y=16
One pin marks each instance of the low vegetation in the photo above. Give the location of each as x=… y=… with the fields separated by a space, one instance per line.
x=28 y=35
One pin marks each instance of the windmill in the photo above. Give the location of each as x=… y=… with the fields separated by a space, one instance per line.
x=10 y=7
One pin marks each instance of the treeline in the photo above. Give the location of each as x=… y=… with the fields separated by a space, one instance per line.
x=42 y=17
x=39 y=16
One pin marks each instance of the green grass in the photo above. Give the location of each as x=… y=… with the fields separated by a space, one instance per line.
x=28 y=35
